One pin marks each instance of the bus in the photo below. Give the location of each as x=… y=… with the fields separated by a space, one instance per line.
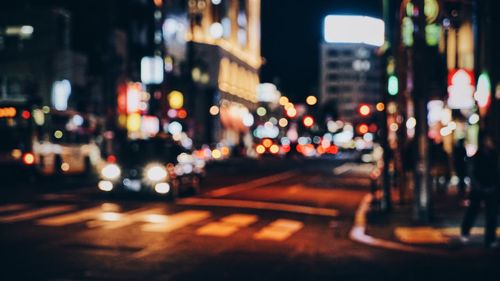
x=38 y=141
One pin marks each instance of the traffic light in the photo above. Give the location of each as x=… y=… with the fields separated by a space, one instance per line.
x=393 y=85
x=362 y=129
x=364 y=110
x=308 y=121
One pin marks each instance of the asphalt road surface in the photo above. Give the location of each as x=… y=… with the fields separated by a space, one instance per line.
x=255 y=220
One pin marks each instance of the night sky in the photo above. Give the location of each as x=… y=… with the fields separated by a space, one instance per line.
x=291 y=34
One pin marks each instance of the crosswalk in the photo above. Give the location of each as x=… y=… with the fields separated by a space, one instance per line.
x=152 y=219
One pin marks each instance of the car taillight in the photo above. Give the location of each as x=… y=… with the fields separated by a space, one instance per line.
x=111 y=159
x=29 y=158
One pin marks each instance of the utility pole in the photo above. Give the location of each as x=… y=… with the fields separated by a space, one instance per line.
x=386 y=203
x=421 y=89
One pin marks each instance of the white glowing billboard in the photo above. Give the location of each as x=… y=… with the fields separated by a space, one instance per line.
x=354 y=29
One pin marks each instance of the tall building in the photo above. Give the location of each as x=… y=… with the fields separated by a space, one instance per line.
x=213 y=57
x=350 y=76
x=350 y=68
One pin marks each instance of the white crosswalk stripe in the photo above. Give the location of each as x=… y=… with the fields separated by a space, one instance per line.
x=227 y=225
x=33 y=214
x=173 y=222
x=152 y=219
x=79 y=216
x=114 y=220
x=279 y=230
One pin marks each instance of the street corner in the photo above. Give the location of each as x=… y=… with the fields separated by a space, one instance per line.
x=397 y=231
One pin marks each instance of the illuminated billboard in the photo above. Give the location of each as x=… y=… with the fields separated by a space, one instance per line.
x=354 y=29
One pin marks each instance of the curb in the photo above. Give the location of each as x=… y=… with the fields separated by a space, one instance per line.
x=358 y=234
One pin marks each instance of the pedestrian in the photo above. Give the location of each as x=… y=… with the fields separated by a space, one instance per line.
x=440 y=168
x=484 y=189
x=459 y=163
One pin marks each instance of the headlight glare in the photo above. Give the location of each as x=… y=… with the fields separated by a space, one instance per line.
x=111 y=172
x=156 y=173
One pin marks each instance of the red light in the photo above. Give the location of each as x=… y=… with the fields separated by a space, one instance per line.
x=182 y=114
x=333 y=149
x=111 y=159
x=373 y=128
x=29 y=158
x=308 y=121
x=365 y=110
x=363 y=129
x=26 y=114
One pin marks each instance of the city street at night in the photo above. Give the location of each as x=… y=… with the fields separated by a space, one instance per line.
x=293 y=224
x=249 y=140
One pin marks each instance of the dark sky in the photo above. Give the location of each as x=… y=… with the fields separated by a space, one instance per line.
x=291 y=34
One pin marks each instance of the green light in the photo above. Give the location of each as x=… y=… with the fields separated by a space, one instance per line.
x=393 y=85
x=407 y=31
x=432 y=34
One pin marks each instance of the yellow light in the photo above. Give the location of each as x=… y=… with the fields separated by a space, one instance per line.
x=46 y=109
x=291 y=112
x=134 y=122
x=225 y=151
x=7 y=112
x=311 y=100
x=65 y=167
x=288 y=105
x=16 y=154
x=58 y=134
x=214 y=110
x=283 y=100
x=260 y=149
x=380 y=106
x=283 y=122
x=267 y=143
x=308 y=121
x=274 y=149
x=176 y=100
x=216 y=154
x=261 y=111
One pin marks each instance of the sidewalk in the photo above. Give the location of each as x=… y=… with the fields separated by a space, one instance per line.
x=441 y=234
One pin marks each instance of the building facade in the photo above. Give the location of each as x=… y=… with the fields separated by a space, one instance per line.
x=212 y=56
x=350 y=76
x=37 y=60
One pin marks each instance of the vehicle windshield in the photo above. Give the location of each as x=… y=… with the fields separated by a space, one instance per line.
x=142 y=152
x=69 y=129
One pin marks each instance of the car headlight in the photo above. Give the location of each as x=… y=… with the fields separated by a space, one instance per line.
x=111 y=172
x=156 y=173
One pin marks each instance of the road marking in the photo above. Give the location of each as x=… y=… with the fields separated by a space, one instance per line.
x=455 y=231
x=173 y=222
x=279 y=230
x=114 y=220
x=433 y=235
x=358 y=233
x=420 y=235
x=79 y=216
x=12 y=207
x=227 y=225
x=259 y=205
x=249 y=185
x=32 y=214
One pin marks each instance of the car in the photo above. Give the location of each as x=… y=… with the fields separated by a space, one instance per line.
x=149 y=166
